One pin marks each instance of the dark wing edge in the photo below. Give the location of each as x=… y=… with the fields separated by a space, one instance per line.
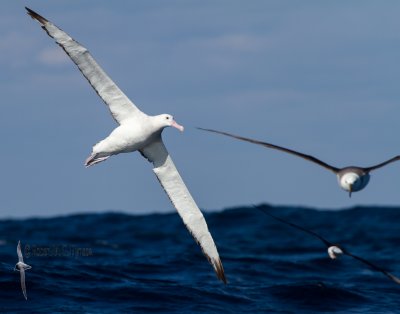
x=36 y=16
x=369 y=169
x=373 y=266
x=280 y=148
x=263 y=208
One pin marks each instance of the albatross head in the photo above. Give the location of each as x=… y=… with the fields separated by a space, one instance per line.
x=353 y=180
x=334 y=251
x=166 y=120
x=350 y=182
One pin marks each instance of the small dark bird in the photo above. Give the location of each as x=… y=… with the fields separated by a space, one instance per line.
x=334 y=250
x=351 y=179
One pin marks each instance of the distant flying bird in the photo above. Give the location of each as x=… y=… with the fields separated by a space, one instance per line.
x=334 y=250
x=137 y=132
x=21 y=267
x=351 y=179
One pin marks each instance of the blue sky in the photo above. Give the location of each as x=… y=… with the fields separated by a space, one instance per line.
x=317 y=76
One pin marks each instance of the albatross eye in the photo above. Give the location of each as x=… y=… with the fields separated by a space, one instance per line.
x=167 y=117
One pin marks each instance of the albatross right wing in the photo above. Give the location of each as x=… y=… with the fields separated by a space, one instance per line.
x=180 y=197
x=19 y=253
x=118 y=103
x=280 y=148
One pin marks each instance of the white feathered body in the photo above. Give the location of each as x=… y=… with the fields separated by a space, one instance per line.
x=126 y=138
x=353 y=178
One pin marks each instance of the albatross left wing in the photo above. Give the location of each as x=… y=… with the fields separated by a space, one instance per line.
x=265 y=211
x=118 y=103
x=23 y=286
x=368 y=169
x=180 y=197
x=373 y=266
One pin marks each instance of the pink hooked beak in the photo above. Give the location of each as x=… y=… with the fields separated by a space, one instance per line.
x=176 y=125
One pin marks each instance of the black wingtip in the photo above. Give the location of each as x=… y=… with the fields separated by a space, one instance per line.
x=219 y=270
x=36 y=16
x=208 y=130
x=203 y=129
x=223 y=133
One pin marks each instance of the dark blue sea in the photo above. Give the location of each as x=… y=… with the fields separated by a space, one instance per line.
x=118 y=263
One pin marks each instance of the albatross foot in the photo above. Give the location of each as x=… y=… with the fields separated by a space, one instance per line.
x=94 y=159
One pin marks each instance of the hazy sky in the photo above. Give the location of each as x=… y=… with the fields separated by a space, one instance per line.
x=321 y=77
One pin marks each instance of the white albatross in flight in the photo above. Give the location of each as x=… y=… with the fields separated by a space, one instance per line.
x=21 y=267
x=137 y=132
x=334 y=250
x=350 y=179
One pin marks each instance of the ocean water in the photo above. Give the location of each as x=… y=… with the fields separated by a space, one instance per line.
x=117 y=263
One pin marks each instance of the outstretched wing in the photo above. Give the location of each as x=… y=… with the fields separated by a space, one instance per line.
x=19 y=252
x=118 y=103
x=368 y=169
x=180 y=197
x=373 y=266
x=265 y=211
x=22 y=273
x=280 y=148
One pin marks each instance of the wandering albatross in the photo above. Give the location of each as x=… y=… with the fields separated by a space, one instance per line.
x=21 y=267
x=334 y=250
x=351 y=179
x=137 y=132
